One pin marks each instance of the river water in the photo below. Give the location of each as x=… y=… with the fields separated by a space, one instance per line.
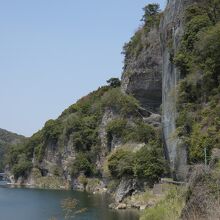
x=38 y=204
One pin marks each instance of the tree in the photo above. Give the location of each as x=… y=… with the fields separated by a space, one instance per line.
x=81 y=164
x=150 y=10
x=121 y=163
x=150 y=164
x=114 y=82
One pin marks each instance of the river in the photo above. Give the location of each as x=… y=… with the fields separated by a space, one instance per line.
x=38 y=204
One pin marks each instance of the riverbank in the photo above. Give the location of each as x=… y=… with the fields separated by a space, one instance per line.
x=142 y=201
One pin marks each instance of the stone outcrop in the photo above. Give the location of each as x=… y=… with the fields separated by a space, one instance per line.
x=171 y=32
x=142 y=73
x=126 y=188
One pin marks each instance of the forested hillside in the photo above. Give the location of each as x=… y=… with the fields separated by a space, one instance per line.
x=6 y=139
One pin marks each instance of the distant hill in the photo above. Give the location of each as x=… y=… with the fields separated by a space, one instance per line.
x=7 y=138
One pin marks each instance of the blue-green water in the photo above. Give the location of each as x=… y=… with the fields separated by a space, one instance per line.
x=36 y=204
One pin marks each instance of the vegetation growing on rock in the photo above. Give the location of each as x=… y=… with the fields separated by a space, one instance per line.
x=198 y=95
x=75 y=139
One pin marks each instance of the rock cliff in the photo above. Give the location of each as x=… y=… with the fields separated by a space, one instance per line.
x=171 y=29
x=142 y=76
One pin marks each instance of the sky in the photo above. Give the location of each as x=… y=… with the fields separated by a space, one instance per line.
x=53 y=52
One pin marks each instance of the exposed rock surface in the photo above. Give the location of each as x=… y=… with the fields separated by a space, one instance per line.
x=172 y=29
x=108 y=116
x=142 y=74
x=126 y=188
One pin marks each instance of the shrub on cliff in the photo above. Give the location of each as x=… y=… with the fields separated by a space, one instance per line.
x=120 y=163
x=81 y=164
x=150 y=11
x=135 y=131
x=22 y=167
x=121 y=103
x=114 y=82
x=150 y=163
x=52 y=130
x=198 y=92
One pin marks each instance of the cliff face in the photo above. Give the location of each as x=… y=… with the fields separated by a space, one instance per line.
x=171 y=33
x=142 y=70
x=152 y=78
x=85 y=139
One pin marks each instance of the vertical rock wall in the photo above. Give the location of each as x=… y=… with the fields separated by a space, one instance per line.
x=142 y=72
x=172 y=29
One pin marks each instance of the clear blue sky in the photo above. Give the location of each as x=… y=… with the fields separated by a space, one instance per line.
x=53 y=52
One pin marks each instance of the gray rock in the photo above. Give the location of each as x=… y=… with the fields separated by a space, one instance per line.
x=153 y=119
x=171 y=32
x=126 y=188
x=142 y=74
x=121 y=206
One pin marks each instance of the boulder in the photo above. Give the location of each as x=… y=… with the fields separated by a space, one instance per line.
x=126 y=188
x=121 y=206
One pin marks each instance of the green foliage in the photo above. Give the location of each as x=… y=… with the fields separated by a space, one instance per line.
x=137 y=43
x=7 y=139
x=150 y=11
x=22 y=167
x=130 y=132
x=199 y=140
x=121 y=103
x=83 y=131
x=208 y=49
x=89 y=104
x=121 y=163
x=193 y=27
x=113 y=184
x=79 y=126
x=169 y=208
x=52 y=130
x=143 y=133
x=150 y=164
x=81 y=164
x=198 y=93
x=83 y=180
x=134 y=46
x=116 y=128
x=147 y=163
x=114 y=82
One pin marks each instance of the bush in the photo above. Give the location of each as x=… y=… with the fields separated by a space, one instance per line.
x=199 y=140
x=116 y=128
x=123 y=104
x=120 y=163
x=81 y=164
x=150 y=11
x=144 y=132
x=198 y=60
x=169 y=208
x=114 y=82
x=52 y=130
x=137 y=131
x=22 y=168
x=150 y=164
